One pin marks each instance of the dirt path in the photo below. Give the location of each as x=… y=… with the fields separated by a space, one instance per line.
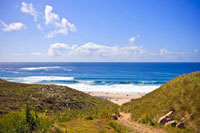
x=124 y=119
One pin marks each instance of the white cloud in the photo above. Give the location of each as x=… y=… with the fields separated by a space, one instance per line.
x=40 y=27
x=28 y=8
x=63 y=28
x=12 y=26
x=132 y=40
x=50 y=17
x=35 y=53
x=53 y=20
x=196 y=50
x=56 y=48
x=94 y=50
x=164 y=51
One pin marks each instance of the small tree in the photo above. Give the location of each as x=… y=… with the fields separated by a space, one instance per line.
x=30 y=119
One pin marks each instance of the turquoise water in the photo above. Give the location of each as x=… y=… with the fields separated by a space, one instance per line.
x=106 y=77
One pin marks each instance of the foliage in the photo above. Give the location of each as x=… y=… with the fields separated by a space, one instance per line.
x=30 y=120
x=23 y=121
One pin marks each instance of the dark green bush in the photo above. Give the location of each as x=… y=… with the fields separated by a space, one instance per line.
x=27 y=121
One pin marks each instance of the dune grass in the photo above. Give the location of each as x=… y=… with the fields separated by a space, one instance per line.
x=53 y=104
x=55 y=99
x=94 y=126
x=181 y=94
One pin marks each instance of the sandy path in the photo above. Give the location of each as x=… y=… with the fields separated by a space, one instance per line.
x=124 y=119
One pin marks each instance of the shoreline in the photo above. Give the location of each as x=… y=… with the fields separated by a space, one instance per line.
x=117 y=98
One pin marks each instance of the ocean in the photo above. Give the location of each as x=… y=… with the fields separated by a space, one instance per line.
x=98 y=77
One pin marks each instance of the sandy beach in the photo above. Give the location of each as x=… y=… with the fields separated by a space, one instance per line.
x=118 y=98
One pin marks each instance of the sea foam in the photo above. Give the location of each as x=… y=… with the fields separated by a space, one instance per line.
x=39 y=68
x=87 y=86
x=117 y=88
x=36 y=79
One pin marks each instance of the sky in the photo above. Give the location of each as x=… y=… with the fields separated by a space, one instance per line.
x=99 y=31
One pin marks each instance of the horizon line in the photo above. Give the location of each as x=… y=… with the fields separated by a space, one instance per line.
x=99 y=62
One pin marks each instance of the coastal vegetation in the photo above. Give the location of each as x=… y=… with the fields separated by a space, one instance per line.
x=180 y=95
x=34 y=107
x=175 y=107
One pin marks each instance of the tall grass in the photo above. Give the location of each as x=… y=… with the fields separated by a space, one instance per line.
x=181 y=94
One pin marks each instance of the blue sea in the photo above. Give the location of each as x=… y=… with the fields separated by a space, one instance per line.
x=98 y=77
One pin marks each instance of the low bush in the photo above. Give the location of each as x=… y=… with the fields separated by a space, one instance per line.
x=23 y=121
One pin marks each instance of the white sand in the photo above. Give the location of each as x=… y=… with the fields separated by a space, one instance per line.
x=118 y=98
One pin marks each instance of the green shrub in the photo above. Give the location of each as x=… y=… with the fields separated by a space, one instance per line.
x=27 y=121
x=31 y=121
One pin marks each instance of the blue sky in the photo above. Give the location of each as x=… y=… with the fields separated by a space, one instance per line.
x=101 y=30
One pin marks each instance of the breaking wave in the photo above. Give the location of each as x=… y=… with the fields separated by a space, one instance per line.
x=39 y=68
x=38 y=79
x=117 y=88
x=88 y=85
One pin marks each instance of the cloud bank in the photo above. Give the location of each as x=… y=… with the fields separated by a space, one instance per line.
x=91 y=49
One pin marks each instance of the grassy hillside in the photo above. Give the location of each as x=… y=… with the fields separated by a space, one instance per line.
x=48 y=106
x=13 y=96
x=181 y=94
